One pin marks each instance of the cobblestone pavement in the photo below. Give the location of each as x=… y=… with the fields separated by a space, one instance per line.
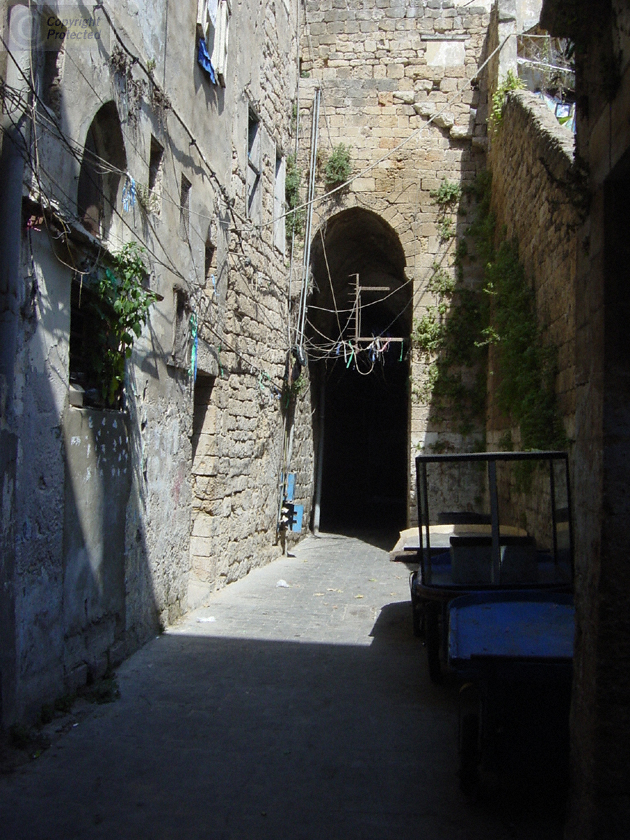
x=280 y=712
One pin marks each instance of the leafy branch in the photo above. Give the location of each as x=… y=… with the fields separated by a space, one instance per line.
x=511 y=82
x=122 y=306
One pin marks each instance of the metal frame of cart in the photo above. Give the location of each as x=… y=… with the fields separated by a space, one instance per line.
x=434 y=585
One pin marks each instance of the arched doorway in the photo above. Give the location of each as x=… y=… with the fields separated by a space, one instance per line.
x=359 y=321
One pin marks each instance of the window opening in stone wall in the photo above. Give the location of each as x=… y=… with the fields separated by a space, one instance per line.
x=279 y=231
x=52 y=68
x=202 y=396
x=181 y=329
x=91 y=202
x=184 y=207
x=151 y=196
x=97 y=192
x=86 y=362
x=213 y=26
x=210 y=266
x=254 y=203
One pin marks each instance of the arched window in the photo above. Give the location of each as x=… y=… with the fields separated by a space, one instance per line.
x=103 y=161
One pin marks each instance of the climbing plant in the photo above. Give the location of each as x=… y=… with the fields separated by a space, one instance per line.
x=338 y=168
x=449 y=334
x=293 y=178
x=121 y=305
x=511 y=82
x=455 y=333
x=447 y=195
x=526 y=366
x=447 y=198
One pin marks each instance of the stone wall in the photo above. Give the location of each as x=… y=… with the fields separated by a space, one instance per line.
x=207 y=254
x=396 y=88
x=600 y=800
x=534 y=200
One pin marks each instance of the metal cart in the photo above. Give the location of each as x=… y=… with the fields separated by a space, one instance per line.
x=510 y=532
x=513 y=652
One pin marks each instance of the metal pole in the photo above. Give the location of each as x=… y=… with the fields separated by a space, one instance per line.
x=309 y=220
x=494 y=517
x=554 y=518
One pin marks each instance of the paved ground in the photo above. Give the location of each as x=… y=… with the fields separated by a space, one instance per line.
x=288 y=713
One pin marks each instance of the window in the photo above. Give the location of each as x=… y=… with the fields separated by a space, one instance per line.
x=254 y=191
x=181 y=329
x=97 y=192
x=213 y=20
x=210 y=268
x=184 y=207
x=150 y=197
x=89 y=344
x=279 y=232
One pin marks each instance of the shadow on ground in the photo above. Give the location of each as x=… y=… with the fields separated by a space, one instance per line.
x=218 y=737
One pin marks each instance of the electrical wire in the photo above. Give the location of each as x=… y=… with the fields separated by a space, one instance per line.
x=193 y=142
x=414 y=134
x=246 y=362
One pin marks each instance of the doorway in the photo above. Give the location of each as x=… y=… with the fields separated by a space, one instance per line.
x=359 y=321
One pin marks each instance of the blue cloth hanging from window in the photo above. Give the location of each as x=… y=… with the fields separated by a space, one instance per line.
x=204 y=60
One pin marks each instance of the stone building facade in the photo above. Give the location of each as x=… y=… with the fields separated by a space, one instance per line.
x=600 y=804
x=395 y=84
x=118 y=515
x=118 y=518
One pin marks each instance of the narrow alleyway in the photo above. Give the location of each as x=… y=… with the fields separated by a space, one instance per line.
x=280 y=712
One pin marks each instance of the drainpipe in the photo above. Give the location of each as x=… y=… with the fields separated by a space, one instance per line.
x=309 y=220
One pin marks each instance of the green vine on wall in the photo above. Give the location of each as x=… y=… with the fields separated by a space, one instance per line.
x=121 y=305
x=447 y=198
x=511 y=82
x=455 y=333
x=292 y=181
x=449 y=334
x=526 y=367
x=338 y=168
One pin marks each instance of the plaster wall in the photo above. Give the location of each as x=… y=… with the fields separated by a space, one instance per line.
x=102 y=561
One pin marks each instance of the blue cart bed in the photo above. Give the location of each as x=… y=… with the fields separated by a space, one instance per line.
x=515 y=651
x=526 y=625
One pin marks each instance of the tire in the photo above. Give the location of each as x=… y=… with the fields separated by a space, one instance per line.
x=432 y=640
x=469 y=755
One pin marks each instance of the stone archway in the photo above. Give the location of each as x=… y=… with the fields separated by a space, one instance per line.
x=359 y=321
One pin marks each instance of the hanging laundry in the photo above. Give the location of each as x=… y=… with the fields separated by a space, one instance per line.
x=193 y=355
x=204 y=60
x=129 y=194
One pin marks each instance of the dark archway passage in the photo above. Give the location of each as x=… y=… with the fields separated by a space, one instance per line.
x=359 y=320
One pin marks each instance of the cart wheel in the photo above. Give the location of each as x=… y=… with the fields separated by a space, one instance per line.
x=469 y=754
x=432 y=640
